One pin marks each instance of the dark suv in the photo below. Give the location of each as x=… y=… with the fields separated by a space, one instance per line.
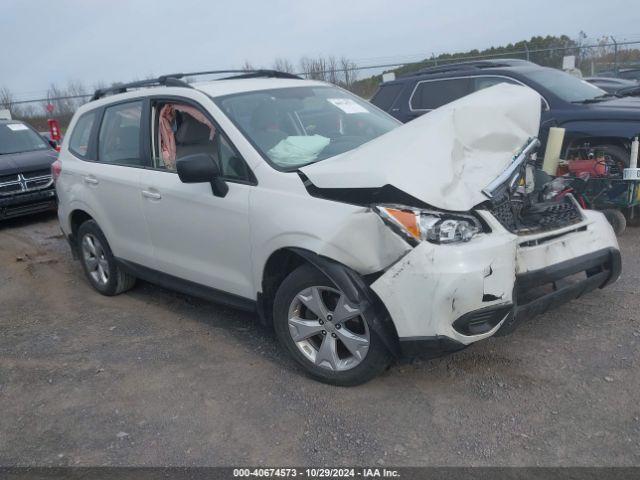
x=26 y=184
x=588 y=113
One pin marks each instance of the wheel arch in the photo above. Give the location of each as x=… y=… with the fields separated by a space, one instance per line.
x=356 y=287
x=76 y=218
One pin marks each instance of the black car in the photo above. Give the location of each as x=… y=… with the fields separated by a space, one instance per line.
x=613 y=85
x=625 y=73
x=589 y=114
x=26 y=184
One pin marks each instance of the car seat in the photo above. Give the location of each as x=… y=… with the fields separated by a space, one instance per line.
x=266 y=126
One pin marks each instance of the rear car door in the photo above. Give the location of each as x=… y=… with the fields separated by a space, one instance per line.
x=431 y=94
x=196 y=235
x=109 y=178
x=386 y=98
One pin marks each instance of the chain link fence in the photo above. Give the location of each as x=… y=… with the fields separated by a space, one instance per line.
x=606 y=57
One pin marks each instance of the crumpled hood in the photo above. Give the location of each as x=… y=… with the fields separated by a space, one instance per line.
x=446 y=157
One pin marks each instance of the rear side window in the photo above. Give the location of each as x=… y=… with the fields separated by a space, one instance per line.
x=435 y=93
x=119 y=138
x=486 y=82
x=79 y=141
x=386 y=96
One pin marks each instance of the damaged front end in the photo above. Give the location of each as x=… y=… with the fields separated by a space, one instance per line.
x=478 y=273
x=519 y=198
x=493 y=241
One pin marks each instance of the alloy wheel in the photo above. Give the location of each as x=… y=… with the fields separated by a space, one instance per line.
x=95 y=259
x=327 y=329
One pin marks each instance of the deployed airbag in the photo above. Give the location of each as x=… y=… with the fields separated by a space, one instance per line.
x=295 y=150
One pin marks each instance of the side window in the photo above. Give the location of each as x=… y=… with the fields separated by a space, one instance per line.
x=79 y=140
x=386 y=96
x=435 y=93
x=182 y=130
x=231 y=164
x=119 y=138
x=486 y=82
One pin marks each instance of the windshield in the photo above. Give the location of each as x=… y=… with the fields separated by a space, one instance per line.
x=17 y=137
x=292 y=127
x=565 y=86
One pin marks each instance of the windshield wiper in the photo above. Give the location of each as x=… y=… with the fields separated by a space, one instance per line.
x=597 y=99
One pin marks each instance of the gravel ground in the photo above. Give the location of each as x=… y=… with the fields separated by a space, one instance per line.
x=157 y=378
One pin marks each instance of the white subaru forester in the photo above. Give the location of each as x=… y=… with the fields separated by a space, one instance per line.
x=356 y=237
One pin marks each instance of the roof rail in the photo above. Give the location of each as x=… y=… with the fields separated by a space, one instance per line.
x=166 y=81
x=175 y=80
x=473 y=65
x=238 y=74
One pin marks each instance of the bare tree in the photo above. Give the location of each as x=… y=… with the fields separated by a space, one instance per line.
x=76 y=89
x=247 y=66
x=314 y=68
x=56 y=96
x=6 y=98
x=349 y=72
x=332 y=74
x=330 y=69
x=283 y=65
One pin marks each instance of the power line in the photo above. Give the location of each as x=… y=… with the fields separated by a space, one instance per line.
x=51 y=99
x=489 y=55
x=397 y=64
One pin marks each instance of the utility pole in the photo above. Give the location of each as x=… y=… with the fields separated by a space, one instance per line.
x=615 y=56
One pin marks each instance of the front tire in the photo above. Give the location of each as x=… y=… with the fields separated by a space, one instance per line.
x=98 y=262
x=617 y=220
x=330 y=338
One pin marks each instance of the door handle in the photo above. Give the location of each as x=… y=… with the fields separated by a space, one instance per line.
x=91 y=180
x=151 y=195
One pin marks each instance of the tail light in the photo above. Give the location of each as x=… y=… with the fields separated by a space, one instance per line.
x=54 y=129
x=56 y=169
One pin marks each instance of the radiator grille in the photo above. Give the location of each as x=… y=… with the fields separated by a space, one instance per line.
x=537 y=217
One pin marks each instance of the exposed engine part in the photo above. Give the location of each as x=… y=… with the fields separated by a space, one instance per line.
x=586 y=162
x=538 y=202
x=552 y=152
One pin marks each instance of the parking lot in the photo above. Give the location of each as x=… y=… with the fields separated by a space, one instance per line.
x=157 y=378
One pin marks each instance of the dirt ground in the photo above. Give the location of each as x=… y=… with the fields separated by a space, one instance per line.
x=157 y=378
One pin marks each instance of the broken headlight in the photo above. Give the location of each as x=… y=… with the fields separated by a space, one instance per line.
x=417 y=225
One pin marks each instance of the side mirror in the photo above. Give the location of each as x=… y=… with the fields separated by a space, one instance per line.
x=202 y=168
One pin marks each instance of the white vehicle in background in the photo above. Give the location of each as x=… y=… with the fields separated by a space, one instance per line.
x=357 y=237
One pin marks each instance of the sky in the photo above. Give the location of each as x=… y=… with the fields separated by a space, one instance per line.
x=91 y=41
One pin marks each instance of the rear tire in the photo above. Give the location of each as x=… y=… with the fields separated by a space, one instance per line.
x=617 y=220
x=632 y=215
x=357 y=353
x=618 y=154
x=98 y=262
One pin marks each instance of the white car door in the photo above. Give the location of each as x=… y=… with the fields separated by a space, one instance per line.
x=110 y=181
x=197 y=236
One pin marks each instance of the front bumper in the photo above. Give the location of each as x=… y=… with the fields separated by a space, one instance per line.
x=27 y=203
x=453 y=295
x=542 y=290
